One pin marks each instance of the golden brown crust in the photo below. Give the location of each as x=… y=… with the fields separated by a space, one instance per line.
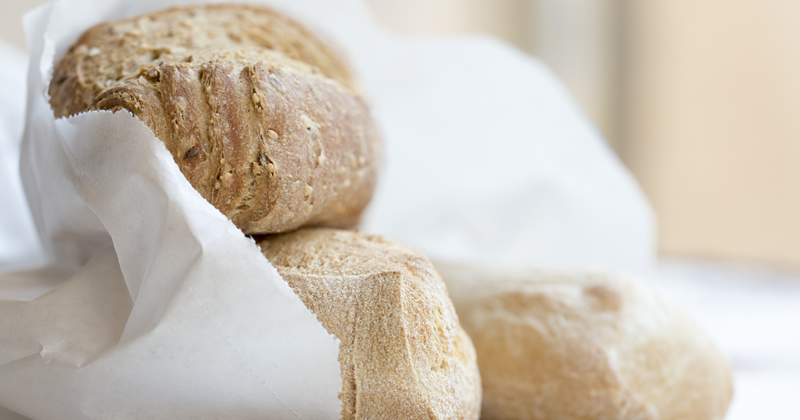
x=585 y=345
x=403 y=354
x=111 y=52
x=259 y=115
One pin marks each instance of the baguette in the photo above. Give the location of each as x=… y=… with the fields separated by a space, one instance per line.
x=403 y=353
x=585 y=345
x=263 y=118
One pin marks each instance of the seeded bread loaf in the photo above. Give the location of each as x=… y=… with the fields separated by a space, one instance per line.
x=262 y=117
x=403 y=353
x=585 y=345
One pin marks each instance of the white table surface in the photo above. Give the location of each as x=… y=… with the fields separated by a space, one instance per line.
x=753 y=314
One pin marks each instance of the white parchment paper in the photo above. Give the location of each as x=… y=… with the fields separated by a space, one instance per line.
x=19 y=245
x=489 y=160
x=153 y=305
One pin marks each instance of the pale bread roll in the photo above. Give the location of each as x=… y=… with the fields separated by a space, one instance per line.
x=403 y=353
x=585 y=345
x=261 y=116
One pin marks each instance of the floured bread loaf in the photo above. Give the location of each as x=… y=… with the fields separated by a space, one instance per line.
x=262 y=118
x=585 y=345
x=403 y=354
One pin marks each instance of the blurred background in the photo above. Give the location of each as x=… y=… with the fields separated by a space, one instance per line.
x=701 y=100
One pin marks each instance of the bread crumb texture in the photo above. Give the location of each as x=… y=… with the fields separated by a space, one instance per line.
x=262 y=117
x=586 y=345
x=403 y=354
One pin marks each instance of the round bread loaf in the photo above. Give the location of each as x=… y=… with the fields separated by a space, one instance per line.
x=403 y=353
x=585 y=345
x=262 y=117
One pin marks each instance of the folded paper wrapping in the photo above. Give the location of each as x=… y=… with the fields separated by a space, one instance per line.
x=18 y=243
x=487 y=159
x=169 y=310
